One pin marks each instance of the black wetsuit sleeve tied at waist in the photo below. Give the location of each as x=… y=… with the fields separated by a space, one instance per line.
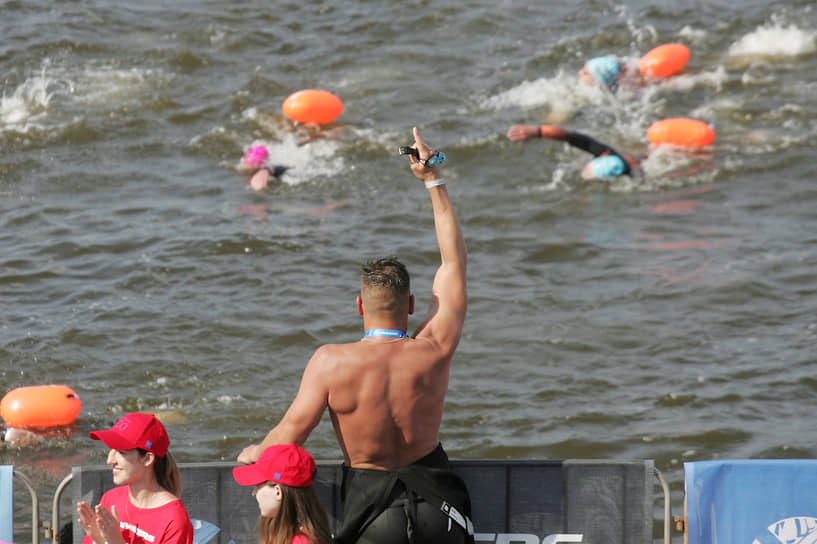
x=367 y=493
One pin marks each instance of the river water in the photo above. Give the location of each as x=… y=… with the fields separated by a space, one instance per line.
x=669 y=318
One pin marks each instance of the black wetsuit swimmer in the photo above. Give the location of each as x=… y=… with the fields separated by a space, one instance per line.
x=425 y=502
x=607 y=162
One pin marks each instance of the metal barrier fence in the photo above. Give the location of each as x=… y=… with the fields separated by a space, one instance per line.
x=524 y=501
x=535 y=502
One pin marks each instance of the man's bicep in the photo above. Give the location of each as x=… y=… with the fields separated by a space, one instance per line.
x=448 y=290
x=449 y=301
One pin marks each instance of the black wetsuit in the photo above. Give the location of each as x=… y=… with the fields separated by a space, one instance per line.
x=598 y=149
x=425 y=502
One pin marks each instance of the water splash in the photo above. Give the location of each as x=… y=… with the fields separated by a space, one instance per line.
x=775 y=39
x=27 y=104
x=561 y=93
x=308 y=152
x=59 y=95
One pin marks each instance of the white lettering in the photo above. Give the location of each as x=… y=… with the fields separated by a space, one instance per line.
x=137 y=531
x=505 y=538
x=526 y=538
x=800 y=529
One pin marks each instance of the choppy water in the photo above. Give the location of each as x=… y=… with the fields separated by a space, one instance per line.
x=671 y=318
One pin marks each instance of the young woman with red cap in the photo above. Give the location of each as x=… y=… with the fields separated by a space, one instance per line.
x=291 y=512
x=145 y=507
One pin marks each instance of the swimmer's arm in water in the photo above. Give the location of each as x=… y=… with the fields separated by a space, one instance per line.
x=521 y=133
x=575 y=139
x=586 y=143
x=551 y=132
x=261 y=178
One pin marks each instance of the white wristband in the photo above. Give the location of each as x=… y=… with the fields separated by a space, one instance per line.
x=434 y=183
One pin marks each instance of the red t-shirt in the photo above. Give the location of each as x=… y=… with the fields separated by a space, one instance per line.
x=166 y=524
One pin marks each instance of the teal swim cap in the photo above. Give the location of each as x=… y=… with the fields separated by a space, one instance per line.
x=604 y=70
x=608 y=166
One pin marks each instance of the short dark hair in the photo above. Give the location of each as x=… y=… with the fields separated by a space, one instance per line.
x=388 y=273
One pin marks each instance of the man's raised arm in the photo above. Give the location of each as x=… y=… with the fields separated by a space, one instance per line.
x=449 y=298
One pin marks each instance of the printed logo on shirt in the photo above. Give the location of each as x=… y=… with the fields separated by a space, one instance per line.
x=137 y=531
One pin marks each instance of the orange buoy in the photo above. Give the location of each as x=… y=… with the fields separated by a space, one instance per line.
x=40 y=406
x=312 y=106
x=681 y=132
x=664 y=60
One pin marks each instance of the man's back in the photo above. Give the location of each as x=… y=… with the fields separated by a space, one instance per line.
x=385 y=394
x=386 y=398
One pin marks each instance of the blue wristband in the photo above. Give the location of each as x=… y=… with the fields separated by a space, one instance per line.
x=435 y=160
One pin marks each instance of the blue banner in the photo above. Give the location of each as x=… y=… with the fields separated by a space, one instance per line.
x=752 y=501
x=6 y=503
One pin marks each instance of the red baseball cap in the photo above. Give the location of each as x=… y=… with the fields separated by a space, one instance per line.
x=286 y=464
x=136 y=430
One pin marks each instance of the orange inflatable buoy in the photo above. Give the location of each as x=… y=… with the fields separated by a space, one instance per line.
x=40 y=407
x=312 y=106
x=664 y=60
x=681 y=132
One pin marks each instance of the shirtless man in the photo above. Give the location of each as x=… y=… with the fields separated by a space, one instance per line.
x=385 y=395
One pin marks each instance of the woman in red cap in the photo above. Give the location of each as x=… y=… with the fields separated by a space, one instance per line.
x=291 y=512
x=145 y=507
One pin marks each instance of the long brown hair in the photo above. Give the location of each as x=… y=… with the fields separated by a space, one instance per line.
x=301 y=513
x=167 y=472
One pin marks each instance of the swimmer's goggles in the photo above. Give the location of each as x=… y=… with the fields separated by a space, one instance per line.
x=434 y=160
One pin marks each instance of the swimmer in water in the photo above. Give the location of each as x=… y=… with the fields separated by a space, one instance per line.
x=608 y=163
x=253 y=161
x=660 y=62
x=20 y=438
x=260 y=180
x=606 y=72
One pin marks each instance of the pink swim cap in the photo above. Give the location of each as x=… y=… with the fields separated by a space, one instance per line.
x=255 y=156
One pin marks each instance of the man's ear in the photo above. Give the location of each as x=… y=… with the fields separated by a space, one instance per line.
x=359 y=302
x=411 y=304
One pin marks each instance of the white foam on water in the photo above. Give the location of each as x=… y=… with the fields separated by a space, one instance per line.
x=686 y=81
x=563 y=93
x=775 y=39
x=57 y=93
x=667 y=162
x=110 y=86
x=693 y=34
x=317 y=158
x=26 y=105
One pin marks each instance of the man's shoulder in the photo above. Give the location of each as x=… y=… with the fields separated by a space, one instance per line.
x=338 y=349
x=332 y=354
x=442 y=337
